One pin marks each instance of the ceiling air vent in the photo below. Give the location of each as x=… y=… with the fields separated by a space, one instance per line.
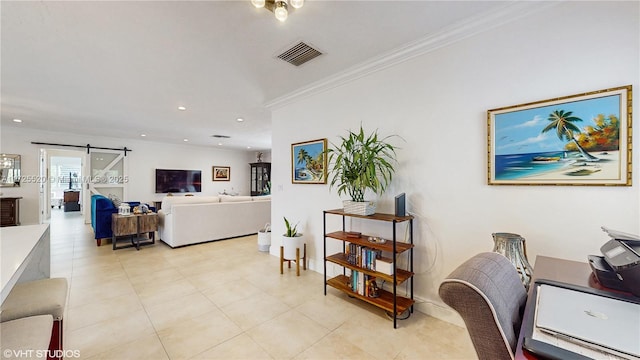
x=221 y=136
x=299 y=54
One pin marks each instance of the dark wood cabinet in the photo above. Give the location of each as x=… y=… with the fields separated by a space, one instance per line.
x=71 y=200
x=10 y=211
x=260 y=178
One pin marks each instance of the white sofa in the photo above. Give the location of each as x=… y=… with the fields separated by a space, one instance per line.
x=186 y=220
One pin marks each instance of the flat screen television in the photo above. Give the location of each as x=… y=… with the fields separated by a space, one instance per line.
x=178 y=181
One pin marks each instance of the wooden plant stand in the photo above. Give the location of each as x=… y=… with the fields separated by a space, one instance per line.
x=297 y=260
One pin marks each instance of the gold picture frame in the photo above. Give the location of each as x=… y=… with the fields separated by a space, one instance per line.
x=309 y=162
x=582 y=139
x=221 y=173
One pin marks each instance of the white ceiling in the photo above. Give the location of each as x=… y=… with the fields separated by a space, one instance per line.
x=121 y=69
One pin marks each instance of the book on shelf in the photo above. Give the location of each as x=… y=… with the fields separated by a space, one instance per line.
x=363 y=284
x=362 y=256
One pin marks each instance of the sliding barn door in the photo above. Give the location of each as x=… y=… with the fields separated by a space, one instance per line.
x=107 y=175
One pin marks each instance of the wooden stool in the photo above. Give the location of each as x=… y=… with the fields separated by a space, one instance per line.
x=26 y=338
x=39 y=297
x=297 y=260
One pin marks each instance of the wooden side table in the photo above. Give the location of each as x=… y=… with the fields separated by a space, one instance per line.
x=134 y=226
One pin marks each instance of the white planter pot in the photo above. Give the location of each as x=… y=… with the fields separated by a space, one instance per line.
x=290 y=245
x=359 y=207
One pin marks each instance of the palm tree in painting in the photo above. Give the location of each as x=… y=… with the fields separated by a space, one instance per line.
x=563 y=122
x=303 y=158
x=303 y=155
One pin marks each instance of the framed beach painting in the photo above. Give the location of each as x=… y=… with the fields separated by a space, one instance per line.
x=221 y=173
x=309 y=162
x=582 y=139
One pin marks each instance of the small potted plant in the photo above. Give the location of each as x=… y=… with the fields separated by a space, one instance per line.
x=292 y=240
x=358 y=163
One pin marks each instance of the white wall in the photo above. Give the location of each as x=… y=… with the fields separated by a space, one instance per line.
x=438 y=103
x=144 y=158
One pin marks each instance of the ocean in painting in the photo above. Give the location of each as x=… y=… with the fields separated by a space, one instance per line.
x=303 y=174
x=516 y=166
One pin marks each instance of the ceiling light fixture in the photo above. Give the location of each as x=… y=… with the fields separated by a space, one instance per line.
x=182 y=108
x=17 y=120
x=279 y=7
x=239 y=119
x=281 y=10
x=7 y=163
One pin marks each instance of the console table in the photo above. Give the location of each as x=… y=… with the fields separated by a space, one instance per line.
x=134 y=226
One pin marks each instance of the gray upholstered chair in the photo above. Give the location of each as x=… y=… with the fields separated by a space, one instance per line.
x=487 y=293
x=39 y=297
x=26 y=338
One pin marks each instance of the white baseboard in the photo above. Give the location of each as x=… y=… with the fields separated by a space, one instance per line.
x=311 y=265
x=438 y=311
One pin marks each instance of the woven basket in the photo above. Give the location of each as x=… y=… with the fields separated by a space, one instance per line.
x=359 y=207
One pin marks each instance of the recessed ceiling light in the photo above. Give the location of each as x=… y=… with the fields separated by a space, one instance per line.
x=185 y=139
x=182 y=108
x=248 y=147
x=17 y=120
x=143 y=135
x=239 y=119
x=219 y=144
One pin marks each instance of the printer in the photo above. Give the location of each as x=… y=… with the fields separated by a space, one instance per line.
x=619 y=267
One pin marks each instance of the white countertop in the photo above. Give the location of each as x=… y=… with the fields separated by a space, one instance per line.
x=16 y=244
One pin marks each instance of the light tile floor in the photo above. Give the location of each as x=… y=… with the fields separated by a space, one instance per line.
x=222 y=300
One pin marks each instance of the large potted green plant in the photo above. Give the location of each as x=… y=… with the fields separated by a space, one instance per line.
x=360 y=162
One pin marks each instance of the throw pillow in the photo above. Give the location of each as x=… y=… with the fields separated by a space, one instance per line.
x=115 y=199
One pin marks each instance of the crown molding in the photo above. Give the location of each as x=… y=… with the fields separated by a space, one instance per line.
x=511 y=11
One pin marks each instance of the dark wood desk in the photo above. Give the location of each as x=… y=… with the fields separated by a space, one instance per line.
x=71 y=200
x=572 y=272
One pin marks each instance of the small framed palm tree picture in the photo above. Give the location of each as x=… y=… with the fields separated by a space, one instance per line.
x=582 y=139
x=309 y=162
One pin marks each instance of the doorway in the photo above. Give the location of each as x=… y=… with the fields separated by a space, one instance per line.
x=64 y=190
x=98 y=171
